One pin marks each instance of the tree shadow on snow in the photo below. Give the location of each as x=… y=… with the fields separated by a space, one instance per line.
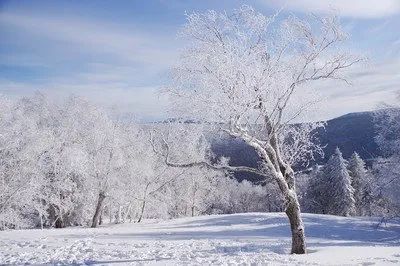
x=268 y=233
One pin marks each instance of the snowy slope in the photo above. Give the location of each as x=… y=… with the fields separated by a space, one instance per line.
x=260 y=238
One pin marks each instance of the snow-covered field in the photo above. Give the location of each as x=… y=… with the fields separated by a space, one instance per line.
x=252 y=238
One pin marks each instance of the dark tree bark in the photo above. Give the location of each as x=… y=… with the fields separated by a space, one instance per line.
x=296 y=226
x=99 y=207
x=59 y=223
x=144 y=203
x=192 y=211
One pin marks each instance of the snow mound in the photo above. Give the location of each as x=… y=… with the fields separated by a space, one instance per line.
x=250 y=238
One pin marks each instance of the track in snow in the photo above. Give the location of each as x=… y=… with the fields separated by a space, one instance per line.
x=259 y=238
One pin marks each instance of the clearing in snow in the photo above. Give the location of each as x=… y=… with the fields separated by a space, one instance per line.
x=248 y=238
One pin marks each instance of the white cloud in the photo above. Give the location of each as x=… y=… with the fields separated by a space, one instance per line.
x=371 y=85
x=144 y=102
x=108 y=86
x=122 y=41
x=130 y=76
x=349 y=8
x=111 y=86
x=109 y=64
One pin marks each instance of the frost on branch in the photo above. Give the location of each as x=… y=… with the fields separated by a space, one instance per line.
x=252 y=76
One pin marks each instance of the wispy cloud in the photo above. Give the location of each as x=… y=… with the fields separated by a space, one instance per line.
x=349 y=8
x=126 y=43
x=144 y=102
x=371 y=84
x=110 y=64
x=123 y=62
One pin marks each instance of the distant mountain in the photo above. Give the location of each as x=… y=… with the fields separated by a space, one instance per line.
x=351 y=132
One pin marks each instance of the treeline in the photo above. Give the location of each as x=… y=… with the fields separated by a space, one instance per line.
x=71 y=163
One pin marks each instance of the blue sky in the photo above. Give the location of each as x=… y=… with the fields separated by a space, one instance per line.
x=117 y=53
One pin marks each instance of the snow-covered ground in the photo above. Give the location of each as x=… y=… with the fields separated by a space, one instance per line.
x=252 y=238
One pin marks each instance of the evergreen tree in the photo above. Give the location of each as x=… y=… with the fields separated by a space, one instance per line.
x=317 y=200
x=358 y=174
x=368 y=195
x=341 y=193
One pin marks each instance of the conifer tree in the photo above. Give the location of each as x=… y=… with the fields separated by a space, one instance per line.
x=341 y=193
x=317 y=200
x=358 y=174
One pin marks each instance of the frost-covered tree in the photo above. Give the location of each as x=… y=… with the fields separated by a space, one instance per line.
x=106 y=159
x=327 y=183
x=361 y=182
x=196 y=187
x=71 y=163
x=251 y=76
x=63 y=162
x=388 y=168
x=20 y=178
x=317 y=194
x=341 y=193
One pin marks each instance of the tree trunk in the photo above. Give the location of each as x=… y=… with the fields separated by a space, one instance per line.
x=110 y=212
x=144 y=203
x=296 y=225
x=142 y=211
x=101 y=216
x=99 y=206
x=288 y=187
x=192 y=211
x=41 y=221
x=128 y=212
x=119 y=215
x=193 y=200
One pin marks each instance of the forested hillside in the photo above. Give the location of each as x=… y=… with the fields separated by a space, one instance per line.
x=352 y=132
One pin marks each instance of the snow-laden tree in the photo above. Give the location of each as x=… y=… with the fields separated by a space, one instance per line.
x=340 y=193
x=123 y=193
x=71 y=163
x=388 y=168
x=20 y=179
x=189 y=193
x=63 y=162
x=151 y=187
x=251 y=76
x=63 y=159
x=317 y=193
x=103 y=142
x=361 y=182
x=248 y=197
x=328 y=186
x=166 y=141
x=65 y=154
x=196 y=187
